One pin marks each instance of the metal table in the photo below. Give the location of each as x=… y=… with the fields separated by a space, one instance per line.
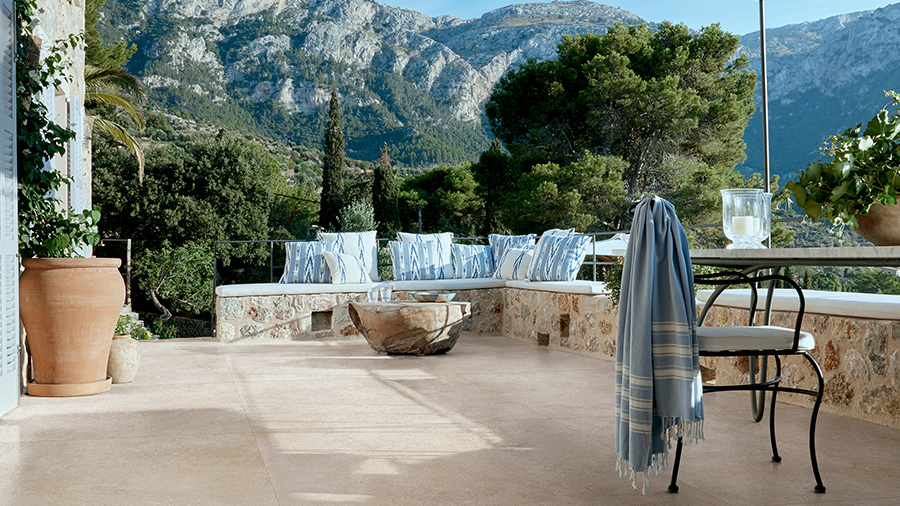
x=752 y=260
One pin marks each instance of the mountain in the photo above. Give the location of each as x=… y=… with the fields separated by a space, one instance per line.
x=824 y=77
x=406 y=79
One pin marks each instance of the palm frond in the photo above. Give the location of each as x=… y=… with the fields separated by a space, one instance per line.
x=98 y=78
x=120 y=135
x=116 y=99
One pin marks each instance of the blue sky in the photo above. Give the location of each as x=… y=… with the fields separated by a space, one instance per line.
x=737 y=16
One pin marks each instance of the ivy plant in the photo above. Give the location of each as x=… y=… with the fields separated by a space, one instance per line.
x=46 y=228
x=858 y=168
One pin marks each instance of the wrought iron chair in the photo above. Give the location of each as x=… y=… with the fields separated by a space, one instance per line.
x=760 y=341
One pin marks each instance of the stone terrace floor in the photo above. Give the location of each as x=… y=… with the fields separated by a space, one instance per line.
x=494 y=422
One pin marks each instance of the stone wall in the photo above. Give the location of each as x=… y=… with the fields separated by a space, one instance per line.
x=860 y=359
x=583 y=324
x=325 y=315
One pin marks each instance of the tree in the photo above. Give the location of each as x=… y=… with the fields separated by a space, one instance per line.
x=585 y=194
x=385 y=194
x=358 y=216
x=109 y=96
x=96 y=52
x=497 y=176
x=652 y=98
x=448 y=197
x=333 y=165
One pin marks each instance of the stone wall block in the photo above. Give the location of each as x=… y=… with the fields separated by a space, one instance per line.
x=226 y=332
x=855 y=365
x=562 y=302
x=231 y=308
x=880 y=400
x=260 y=313
x=281 y=333
x=838 y=391
x=321 y=302
x=284 y=308
x=895 y=367
x=831 y=361
x=875 y=344
x=895 y=331
x=253 y=331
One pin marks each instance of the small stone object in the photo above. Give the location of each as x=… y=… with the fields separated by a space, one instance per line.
x=124 y=358
x=409 y=327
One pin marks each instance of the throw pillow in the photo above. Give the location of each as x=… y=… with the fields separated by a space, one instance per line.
x=559 y=231
x=345 y=269
x=304 y=262
x=499 y=243
x=416 y=260
x=472 y=261
x=444 y=241
x=362 y=245
x=514 y=263
x=558 y=257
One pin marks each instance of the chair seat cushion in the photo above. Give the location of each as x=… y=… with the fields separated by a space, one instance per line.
x=751 y=338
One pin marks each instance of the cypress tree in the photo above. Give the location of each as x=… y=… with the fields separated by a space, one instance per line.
x=333 y=166
x=385 y=194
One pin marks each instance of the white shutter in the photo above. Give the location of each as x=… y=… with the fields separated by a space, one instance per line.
x=9 y=235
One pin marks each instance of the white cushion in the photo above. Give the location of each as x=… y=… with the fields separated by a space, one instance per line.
x=346 y=269
x=448 y=284
x=514 y=264
x=275 y=289
x=362 y=245
x=304 y=262
x=418 y=260
x=499 y=243
x=472 y=261
x=855 y=305
x=558 y=257
x=444 y=241
x=579 y=286
x=751 y=338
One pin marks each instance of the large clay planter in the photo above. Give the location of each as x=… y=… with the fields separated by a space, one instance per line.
x=69 y=307
x=881 y=226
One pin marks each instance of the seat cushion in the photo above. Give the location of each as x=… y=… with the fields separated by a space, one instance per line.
x=751 y=338
x=576 y=287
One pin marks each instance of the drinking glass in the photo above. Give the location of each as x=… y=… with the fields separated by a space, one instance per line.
x=386 y=292
x=372 y=294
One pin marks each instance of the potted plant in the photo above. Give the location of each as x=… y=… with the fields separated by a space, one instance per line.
x=855 y=180
x=125 y=352
x=68 y=305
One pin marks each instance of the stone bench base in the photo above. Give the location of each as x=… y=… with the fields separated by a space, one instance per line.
x=325 y=315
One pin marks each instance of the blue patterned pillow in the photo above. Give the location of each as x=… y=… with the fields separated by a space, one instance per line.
x=499 y=243
x=362 y=245
x=417 y=260
x=304 y=262
x=346 y=269
x=514 y=263
x=558 y=257
x=443 y=243
x=472 y=261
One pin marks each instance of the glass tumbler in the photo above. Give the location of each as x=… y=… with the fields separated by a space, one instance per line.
x=372 y=294
x=385 y=291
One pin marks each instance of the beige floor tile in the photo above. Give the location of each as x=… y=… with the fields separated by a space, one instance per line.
x=128 y=411
x=214 y=470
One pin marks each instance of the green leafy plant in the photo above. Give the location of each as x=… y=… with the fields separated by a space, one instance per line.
x=128 y=325
x=45 y=228
x=857 y=168
x=164 y=329
x=178 y=277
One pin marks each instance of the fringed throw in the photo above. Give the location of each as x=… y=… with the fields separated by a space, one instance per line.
x=658 y=387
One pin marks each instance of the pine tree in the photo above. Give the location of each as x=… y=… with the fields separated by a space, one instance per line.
x=385 y=194
x=333 y=165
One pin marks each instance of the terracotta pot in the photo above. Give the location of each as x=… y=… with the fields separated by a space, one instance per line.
x=124 y=358
x=69 y=307
x=881 y=226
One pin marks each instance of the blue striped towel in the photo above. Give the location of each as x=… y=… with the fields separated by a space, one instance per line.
x=659 y=393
